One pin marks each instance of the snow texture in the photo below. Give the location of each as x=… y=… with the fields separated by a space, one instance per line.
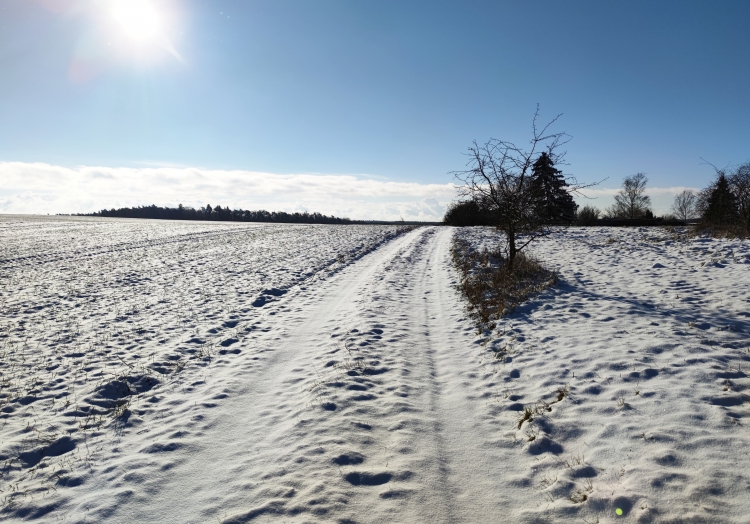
x=199 y=372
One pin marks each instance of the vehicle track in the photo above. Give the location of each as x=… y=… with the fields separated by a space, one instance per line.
x=363 y=410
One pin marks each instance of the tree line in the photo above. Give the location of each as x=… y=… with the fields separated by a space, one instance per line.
x=520 y=191
x=218 y=213
x=723 y=205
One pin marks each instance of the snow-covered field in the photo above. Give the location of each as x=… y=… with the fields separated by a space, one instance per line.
x=199 y=372
x=99 y=318
x=647 y=336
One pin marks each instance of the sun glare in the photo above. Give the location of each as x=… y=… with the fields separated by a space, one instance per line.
x=139 y=19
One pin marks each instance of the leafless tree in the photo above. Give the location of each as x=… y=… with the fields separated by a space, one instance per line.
x=684 y=205
x=739 y=182
x=499 y=177
x=631 y=202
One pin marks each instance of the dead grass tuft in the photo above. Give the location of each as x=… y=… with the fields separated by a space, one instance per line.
x=579 y=497
x=527 y=416
x=562 y=392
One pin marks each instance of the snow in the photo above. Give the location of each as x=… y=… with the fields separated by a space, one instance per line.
x=647 y=328
x=249 y=373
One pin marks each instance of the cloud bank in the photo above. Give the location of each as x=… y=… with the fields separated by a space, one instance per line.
x=42 y=188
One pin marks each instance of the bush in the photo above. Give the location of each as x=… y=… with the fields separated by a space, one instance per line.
x=466 y=213
x=491 y=286
x=587 y=216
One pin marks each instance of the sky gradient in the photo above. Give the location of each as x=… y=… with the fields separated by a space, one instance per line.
x=385 y=92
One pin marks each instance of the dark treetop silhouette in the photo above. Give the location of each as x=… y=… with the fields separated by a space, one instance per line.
x=220 y=214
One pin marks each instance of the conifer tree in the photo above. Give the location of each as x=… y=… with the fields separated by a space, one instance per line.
x=719 y=204
x=555 y=201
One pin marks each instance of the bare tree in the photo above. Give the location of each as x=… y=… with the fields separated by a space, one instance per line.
x=739 y=182
x=631 y=202
x=499 y=176
x=684 y=205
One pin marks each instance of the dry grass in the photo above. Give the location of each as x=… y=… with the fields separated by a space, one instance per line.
x=527 y=416
x=490 y=287
x=562 y=392
x=729 y=231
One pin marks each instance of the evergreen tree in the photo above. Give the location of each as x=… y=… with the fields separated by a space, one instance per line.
x=555 y=202
x=719 y=205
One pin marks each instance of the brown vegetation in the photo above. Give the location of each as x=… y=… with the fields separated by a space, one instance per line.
x=491 y=287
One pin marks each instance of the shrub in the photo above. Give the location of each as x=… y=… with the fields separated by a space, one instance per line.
x=466 y=213
x=587 y=216
x=489 y=284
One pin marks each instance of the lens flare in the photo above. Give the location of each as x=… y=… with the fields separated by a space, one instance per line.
x=139 y=19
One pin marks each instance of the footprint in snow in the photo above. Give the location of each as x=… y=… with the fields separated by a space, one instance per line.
x=349 y=459
x=366 y=478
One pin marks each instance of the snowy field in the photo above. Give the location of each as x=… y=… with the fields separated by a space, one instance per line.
x=646 y=336
x=98 y=318
x=179 y=372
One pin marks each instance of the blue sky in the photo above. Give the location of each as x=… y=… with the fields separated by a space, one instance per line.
x=384 y=91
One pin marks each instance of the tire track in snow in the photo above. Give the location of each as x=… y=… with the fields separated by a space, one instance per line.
x=365 y=407
x=246 y=452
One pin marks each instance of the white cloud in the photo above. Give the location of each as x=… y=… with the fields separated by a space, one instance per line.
x=43 y=188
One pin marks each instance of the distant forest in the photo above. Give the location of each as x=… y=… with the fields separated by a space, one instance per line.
x=218 y=213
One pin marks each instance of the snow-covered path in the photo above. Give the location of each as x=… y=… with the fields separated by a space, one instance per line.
x=361 y=410
x=358 y=391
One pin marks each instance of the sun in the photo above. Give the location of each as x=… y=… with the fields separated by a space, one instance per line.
x=138 y=19
x=139 y=32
